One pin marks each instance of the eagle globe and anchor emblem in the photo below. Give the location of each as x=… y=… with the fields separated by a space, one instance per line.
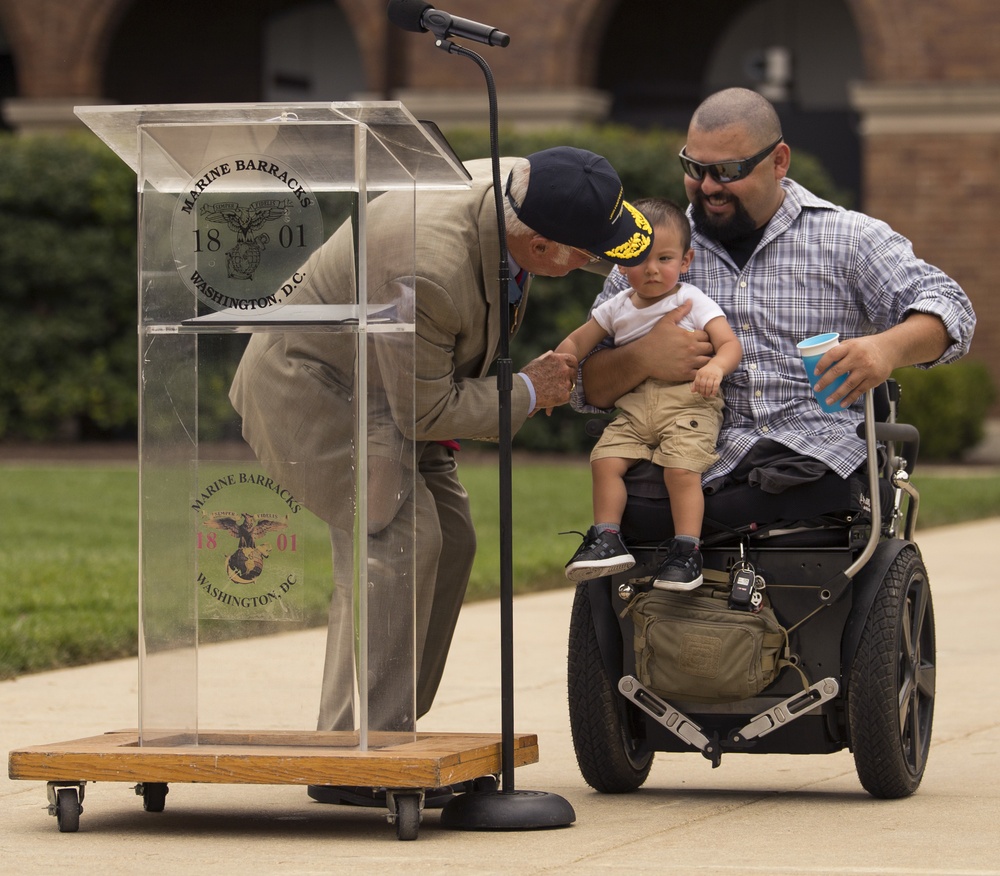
x=250 y=547
x=243 y=259
x=246 y=563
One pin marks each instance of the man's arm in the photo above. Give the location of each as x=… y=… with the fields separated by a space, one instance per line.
x=918 y=339
x=666 y=352
x=928 y=316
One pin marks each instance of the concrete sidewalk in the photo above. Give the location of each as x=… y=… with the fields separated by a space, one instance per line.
x=773 y=814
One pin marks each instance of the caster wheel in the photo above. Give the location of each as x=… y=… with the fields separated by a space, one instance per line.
x=68 y=810
x=407 y=816
x=154 y=795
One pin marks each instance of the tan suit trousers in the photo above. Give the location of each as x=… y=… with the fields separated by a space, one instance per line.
x=446 y=545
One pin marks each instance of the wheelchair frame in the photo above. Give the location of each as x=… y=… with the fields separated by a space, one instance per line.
x=861 y=631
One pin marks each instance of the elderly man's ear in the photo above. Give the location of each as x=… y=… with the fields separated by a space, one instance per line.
x=540 y=245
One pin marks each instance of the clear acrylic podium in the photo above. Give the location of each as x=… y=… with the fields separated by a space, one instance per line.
x=239 y=547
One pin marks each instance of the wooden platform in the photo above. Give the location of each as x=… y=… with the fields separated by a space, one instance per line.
x=431 y=760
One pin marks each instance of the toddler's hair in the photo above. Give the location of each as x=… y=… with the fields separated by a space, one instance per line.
x=663 y=211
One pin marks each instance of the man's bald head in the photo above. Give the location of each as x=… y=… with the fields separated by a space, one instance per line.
x=739 y=106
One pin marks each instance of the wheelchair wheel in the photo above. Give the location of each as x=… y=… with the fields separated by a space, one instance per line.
x=602 y=722
x=891 y=694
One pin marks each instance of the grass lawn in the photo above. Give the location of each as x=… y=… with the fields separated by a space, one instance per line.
x=68 y=559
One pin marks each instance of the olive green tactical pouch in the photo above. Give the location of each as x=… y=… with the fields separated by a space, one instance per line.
x=693 y=647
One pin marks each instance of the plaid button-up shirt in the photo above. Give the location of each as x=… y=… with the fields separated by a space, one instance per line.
x=818 y=268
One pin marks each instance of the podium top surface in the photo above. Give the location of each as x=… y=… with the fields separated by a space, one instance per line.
x=398 y=149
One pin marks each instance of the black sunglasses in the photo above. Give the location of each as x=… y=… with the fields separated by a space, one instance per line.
x=725 y=171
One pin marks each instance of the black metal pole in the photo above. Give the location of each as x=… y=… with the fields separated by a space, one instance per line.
x=506 y=808
x=505 y=382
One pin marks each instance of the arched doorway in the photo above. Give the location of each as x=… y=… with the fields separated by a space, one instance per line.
x=272 y=50
x=310 y=54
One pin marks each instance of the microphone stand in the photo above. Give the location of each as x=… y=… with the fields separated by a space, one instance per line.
x=506 y=808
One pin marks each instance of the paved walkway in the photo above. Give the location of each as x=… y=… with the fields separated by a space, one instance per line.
x=766 y=814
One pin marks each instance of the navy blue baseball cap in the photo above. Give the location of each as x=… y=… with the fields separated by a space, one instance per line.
x=575 y=198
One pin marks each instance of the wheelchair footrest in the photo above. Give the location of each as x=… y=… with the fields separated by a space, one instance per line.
x=676 y=722
x=786 y=711
x=689 y=731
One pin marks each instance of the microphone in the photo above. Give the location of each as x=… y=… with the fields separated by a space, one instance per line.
x=418 y=16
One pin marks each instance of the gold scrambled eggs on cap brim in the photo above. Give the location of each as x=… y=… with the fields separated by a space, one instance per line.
x=638 y=234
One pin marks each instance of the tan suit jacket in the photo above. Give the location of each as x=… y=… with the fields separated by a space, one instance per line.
x=295 y=390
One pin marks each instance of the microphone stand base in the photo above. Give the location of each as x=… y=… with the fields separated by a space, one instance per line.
x=507 y=810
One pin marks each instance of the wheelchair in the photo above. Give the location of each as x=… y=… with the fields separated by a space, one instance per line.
x=844 y=577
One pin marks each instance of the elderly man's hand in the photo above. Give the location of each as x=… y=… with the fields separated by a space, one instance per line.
x=553 y=376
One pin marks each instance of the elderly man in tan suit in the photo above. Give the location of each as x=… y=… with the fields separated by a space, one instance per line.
x=563 y=209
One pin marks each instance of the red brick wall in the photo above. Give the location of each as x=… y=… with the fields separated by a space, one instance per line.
x=941 y=192
x=929 y=40
x=549 y=41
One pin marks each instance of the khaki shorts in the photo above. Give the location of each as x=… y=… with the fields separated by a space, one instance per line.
x=665 y=423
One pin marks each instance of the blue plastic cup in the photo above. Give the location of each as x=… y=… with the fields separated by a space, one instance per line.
x=812 y=350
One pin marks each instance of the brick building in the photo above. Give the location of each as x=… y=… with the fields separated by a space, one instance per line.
x=899 y=98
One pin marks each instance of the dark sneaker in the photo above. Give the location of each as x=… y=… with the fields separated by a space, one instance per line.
x=600 y=554
x=681 y=570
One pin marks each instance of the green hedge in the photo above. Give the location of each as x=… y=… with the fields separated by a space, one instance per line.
x=67 y=289
x=948 y=405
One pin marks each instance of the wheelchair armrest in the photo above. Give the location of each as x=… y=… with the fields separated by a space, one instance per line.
x=900 y=433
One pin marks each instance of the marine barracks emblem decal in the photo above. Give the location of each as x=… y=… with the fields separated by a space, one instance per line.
x=242 y=230
x=247 y=561
x=250 y=552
